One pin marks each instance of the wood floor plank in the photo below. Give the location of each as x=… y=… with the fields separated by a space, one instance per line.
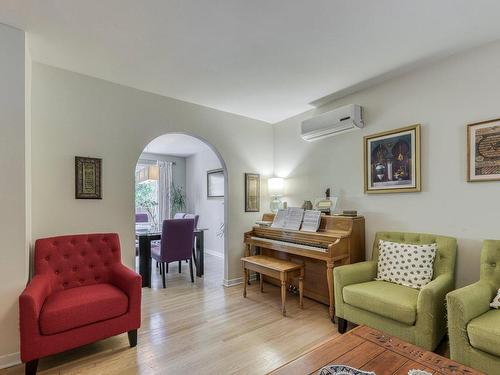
x=202 y=328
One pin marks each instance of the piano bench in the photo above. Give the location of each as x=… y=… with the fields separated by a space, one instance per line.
x=276 y=268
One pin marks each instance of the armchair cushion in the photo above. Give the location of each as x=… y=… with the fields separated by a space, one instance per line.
x=387 y=299
x=484 y=332
x=77 y=307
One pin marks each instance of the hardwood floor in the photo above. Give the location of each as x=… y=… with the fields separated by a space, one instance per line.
x=202 y=328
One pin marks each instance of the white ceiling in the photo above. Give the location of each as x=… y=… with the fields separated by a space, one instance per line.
x=265 y=59
x=176 y=145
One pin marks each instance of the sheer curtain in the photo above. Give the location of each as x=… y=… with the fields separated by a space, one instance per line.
x=164 y=186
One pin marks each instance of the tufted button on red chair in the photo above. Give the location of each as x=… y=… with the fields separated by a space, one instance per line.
x=81 y=293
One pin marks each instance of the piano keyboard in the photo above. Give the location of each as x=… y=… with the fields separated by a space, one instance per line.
x=290 y=244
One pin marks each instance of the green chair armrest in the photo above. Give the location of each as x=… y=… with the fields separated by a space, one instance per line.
x=431 y=311
x=355 y=273
x=432 y=297
x=469 y=302
x=464 y=305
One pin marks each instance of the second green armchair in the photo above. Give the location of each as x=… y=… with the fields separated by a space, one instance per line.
x=416 y=316
x=474 y=327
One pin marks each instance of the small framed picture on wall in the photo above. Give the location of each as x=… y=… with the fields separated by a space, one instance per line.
x=88 y=177
x=483 y=151
x=252 y=192
x=392 y=161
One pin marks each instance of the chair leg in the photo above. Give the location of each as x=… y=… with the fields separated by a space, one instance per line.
x=301 y=288
x=132 y=338
x=31 y=367
x=166 y=267
x=245 y=280
x=194 y=255
x=161 y=268
x=163 y=275
x=180 y=265
x=191 y=269
x=283 y=297
x=156 y=264
x=341 y=325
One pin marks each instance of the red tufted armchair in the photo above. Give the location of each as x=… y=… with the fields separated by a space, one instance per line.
x=81 y=293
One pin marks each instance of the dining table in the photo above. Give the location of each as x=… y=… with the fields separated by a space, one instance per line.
x=145 y=237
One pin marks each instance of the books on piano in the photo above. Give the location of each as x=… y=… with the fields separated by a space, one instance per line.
x=289 y=218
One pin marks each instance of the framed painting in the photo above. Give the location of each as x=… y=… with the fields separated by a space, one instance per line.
x=483 y=151
x=88 y=177
x=252 y=192
x=215 y=183
x=392 y=161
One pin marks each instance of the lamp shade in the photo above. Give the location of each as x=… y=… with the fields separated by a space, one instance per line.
x=149 y=173
x=275 y=186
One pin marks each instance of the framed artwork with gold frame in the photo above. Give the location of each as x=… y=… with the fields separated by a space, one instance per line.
x=88 y=177
x=483 y=151
x=252 y=192
x=392 y=161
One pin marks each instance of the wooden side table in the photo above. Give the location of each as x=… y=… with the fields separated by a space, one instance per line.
x=277 y=269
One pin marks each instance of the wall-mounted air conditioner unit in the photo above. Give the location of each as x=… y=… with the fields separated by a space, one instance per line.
x=340 y=120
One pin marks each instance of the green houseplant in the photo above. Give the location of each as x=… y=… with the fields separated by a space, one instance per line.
x=177 y=199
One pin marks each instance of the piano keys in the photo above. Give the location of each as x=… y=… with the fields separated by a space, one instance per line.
x=340 y=240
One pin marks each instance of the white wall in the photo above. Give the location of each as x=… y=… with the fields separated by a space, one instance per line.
x=443 y=98
x=211 y=210
x=79 y=115
x=13 y=194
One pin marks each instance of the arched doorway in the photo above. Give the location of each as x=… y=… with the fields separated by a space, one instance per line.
x=179 y=173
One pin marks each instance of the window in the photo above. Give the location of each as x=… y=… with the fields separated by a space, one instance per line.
x=146 y=194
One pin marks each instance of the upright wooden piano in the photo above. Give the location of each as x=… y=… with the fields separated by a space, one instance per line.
x=340 y=240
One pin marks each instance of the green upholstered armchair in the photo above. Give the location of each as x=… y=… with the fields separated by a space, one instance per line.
x=474 y=327
x=416 y=316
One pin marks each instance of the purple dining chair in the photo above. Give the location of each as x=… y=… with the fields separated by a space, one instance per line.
x=176 y=245
x=192 y=216
x=141 y=218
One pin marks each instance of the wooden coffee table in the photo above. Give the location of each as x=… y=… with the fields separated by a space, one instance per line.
x=371 y=350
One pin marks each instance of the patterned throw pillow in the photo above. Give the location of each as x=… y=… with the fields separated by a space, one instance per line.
x=496 y=301
x=406 y=264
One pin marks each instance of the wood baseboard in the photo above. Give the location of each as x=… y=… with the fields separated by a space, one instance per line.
x=239 y=280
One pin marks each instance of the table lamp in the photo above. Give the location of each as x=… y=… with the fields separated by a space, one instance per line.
x=275 y=186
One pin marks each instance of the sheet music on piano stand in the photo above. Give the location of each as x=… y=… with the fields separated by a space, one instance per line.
x=279 y=219
x=290 y=218
x=294 y=218
x=311 y=221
